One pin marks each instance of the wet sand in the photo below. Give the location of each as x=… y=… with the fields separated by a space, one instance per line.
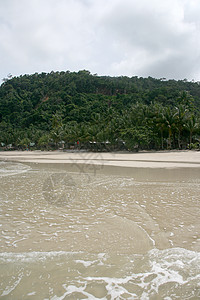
x=160 y=159
x=99 y=225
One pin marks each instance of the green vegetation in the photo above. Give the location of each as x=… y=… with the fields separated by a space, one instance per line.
x=57 y=109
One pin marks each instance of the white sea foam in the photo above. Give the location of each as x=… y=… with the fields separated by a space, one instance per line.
x=31 y=257
x=11 y=168
x=11 y=287
x=175 y=270
x=85 y=263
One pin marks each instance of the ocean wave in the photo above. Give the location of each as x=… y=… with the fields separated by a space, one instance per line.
x=159 y=273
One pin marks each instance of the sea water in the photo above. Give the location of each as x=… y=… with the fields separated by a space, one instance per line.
x=77 y=232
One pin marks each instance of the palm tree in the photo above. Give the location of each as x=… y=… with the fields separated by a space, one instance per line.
x=158 y=121
x=180 y=115
x=187 y=100
x=57 y=128
x=169 y=120
x=191 y=125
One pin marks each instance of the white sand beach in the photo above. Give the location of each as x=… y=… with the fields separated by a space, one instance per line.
x=159 y=159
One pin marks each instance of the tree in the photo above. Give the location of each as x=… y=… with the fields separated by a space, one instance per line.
x=191 y=125
x=24 y=143
x=169 y=117
x=159 y=122
x=180 y=115
x=56 y=132
x=78 y=105
x=43 y=141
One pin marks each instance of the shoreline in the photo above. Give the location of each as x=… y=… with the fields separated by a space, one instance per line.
x=159 y=159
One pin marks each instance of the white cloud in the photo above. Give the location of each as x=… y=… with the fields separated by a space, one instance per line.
x=113 y=37
x=155 y=39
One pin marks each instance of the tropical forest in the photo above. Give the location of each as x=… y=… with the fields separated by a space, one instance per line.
x=84 y=111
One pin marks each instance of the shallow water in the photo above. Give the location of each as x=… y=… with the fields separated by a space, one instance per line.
x=77 y=232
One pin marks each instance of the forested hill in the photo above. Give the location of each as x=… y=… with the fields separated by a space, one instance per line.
x=60 y=108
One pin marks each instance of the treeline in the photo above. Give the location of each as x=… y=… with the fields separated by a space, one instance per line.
x=100 y=113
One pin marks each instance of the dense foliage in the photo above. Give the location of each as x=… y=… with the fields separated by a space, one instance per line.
x=51 y=110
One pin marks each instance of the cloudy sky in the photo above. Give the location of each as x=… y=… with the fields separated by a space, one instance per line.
x=158 y=38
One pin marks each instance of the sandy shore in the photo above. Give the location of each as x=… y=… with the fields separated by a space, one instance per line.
x=160 y=159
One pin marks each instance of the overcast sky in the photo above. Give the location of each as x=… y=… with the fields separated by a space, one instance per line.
x=158 y=38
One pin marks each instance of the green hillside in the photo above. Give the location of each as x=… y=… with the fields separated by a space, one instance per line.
x=57 y=109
